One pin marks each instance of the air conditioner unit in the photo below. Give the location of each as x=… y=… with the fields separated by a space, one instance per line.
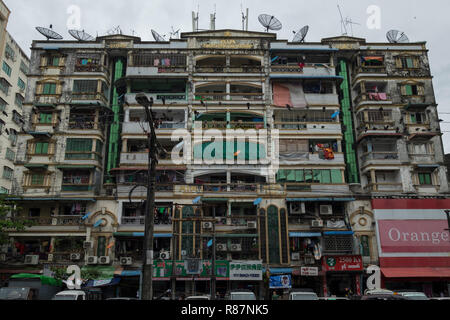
x=221 y=247
x=50 y=257
x=183 y=253
x=251 y=225
x=326 y=209
x=295 y=256
x=103 y=260
x=235 y=247
x=75 y=256
x=87 y=244
x=164 y=255
x=126 y=261
x=31 y=259
x=207 y=225
x=317 y=223
x=297 y=208
x=91 y=260
x=309 y=260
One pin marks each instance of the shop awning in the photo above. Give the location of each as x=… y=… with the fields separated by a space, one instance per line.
x=36 y=166
x=51 y=199
x=278 y=270
x=233 y=235
x=141 y=234
x=372 y=58
x=422 y=272
x=44 y=279
x=102 y=283
x=214 y=199
x=329 y=233
x=304 y=234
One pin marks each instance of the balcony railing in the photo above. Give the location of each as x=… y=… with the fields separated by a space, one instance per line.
x=232 y=125
x=231 y=69
x=223 y=96
x=88 y=96
x=290 y=125
x=371 y=69
x=372 y=97
x=85 y=125
x=141 y=220
x=424 y=158
x=77 y=187
x=379 y=156
x=52 y=220
x=384 y=187
x=83 y=155
x=91 y=68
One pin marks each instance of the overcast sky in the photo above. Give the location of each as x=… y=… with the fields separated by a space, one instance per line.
x=420 y=20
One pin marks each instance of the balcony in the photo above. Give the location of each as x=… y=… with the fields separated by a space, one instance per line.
x=223 y=96
x=373 y=98
x=169 y=98
x=230 y=69
x=331 y=128
x=143 y=71
x=140 y=221
x=310 y=69
x=232 y=125
x=378 y=70
x=77 y=187
x=88 y=97
x=380 y=157
x=47 y=99
x=139 y=127
x=422 y=158
x=53 y=220
x=384 y=187
x=91 y=68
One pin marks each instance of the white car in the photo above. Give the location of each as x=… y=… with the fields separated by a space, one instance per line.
x=74 y=295
x=413 y=295
x=198 y=298
x=303 y=295
x=241 y=295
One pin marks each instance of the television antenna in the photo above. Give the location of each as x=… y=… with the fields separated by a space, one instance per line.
x=194 y=21
x=269 y=22
x=345 y=23
x=244 y=19
x=174 y=33
x=213 y=19
x=49 y=33
x=114 y=31
x=157 y=36
x=80 y=35
x=300 y=34
x=395 y=36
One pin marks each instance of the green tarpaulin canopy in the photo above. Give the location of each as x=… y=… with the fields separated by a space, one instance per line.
x=44 y=279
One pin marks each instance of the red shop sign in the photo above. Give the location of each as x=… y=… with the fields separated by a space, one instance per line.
x=342 y=263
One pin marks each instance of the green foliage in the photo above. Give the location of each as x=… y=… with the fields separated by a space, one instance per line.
x=60 y=273
x=9 y=209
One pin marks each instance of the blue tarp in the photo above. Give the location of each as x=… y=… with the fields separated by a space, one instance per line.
x=326 y=233
x=102 y=283
x=279 y=270
x=304 y=234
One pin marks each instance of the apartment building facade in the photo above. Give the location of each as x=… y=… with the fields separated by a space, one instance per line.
x=346 y=121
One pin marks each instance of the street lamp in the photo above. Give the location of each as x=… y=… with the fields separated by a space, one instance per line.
x=147 y=265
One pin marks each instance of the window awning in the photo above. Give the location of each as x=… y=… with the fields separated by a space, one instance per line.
x=44 y=105
x=39 y=134
x=75 y=166
x=304 y=234
x=422 y=272
x=36 y=166
x=373 y=58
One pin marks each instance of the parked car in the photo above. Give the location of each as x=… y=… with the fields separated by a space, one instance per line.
x=206 y=297
x=440 y=298
x=26 y=286
x=25 y=293
x=302 y=294
x=383 y=297
x=378 y=292
x=334 y=298
x=240 y=294
x=73 y=295
x=122 y=298
x=412 y=295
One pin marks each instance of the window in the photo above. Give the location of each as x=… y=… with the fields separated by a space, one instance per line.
x=53 y=61
x=413 y=90
x=12 y=136
x=45 y=117
x=10 y=154
x=338 y=243
x=4 y=86
x=6 y=68
x=418 y=117
x=21 y=84
x=7 y=173
x=3 y=105
x=425 y=178
x=24 y=67
x=17 y=118
x=408 y=62
x=85 y=86
x=34 y=212
x=333 y=176
x=49 y=88
x=37 y=179
x=19 y=101
x=76 y=177
x=3 y=190
x=9 y=52
x=41 y=148
x=79 y=149
x=365 y=248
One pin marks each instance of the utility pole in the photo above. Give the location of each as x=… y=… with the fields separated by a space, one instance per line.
x=147 y=265
x=213 y=271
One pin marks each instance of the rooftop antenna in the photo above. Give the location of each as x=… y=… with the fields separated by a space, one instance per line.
x=49 y=33
x=395 y=36
x=80 y=35
x=213 y=19
x=350 y=22
x=194 y=21
x=244 y=19
x=114 y=31
x=269 y=22
x=174 y=33
x=157 y=36
x=345 y=22
x=300 y=34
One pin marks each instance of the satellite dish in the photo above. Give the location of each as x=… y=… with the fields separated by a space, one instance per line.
x=49 y=33
x=157 y=37
x=269 y=22
x=81 y=35
x=395 y=36
x=301 y=34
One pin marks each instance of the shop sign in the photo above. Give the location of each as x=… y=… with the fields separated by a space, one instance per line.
x=342 y=263
x=280 y=282
x=246 y=270
x=309 y=271
x=163 y=269
x=227 y=44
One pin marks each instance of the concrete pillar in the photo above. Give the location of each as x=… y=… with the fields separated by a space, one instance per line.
x=442 y=176
x=127 y=115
